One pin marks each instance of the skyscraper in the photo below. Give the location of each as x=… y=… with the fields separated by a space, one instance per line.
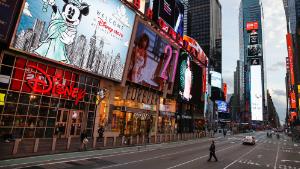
x=204 y=23
x=292 y=11
x=251 y=55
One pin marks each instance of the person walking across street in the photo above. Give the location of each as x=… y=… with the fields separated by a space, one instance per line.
x=212 y=151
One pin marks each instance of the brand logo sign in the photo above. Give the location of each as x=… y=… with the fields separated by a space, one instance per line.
x=41 y=82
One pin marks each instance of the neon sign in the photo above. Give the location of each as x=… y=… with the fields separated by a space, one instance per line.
x=41 y=82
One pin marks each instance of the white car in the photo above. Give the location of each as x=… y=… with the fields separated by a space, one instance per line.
x=249 y=140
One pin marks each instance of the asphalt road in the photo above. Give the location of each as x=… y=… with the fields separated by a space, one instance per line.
x=269 y=153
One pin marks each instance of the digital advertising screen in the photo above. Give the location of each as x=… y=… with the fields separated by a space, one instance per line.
x=91 y=35
x=221 y=105
x=254 y=50
x=189 y=79
x=138 y=4
x=252 y=26
x=170 y=11
x=253 y=38
x=216 y=79
x=256 y=93
x=153 y=61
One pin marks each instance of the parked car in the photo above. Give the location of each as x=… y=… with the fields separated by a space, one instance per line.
x=249 y=140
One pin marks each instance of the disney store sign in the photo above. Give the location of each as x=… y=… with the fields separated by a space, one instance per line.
x=41 y=82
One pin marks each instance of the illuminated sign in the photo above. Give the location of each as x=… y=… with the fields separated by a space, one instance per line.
x=138 y=4
x=225 y=90
x=252 y=26
x=290 y=57
x=256 y=93
x=87 y=39
x=41 y=82
x=152 y=65
x=216 y=79
x=293 y=100
x=222 y=106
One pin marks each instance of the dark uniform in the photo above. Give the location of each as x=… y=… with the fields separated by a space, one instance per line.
x=212 y=150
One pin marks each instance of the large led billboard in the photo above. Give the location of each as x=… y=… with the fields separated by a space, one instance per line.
x=170 y=11
x=252 y=26
x=138 y=4
x=216 y=79
x=254 y=50
x=189 y=79
x=221 y=106
x=153 y=61
x=256 y=92
x=92 y=35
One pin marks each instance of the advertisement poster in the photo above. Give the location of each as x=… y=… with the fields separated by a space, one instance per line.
x=151 y=56
x=253 y=38
x=216 y=79
x=139 y=4
x=93 y=35
x=171 y=11
x=8 y=9
x=256 y=93
x=189 y=79
x=254 y=50
x=222 y=106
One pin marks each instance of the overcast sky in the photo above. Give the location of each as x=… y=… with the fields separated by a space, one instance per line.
x=275 y=50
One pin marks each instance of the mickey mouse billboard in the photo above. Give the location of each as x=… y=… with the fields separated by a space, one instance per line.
x=93 y=35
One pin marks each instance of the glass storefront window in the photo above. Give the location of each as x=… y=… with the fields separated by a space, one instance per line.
x=12 y=97
x=33 y=110
x=24 y=98
x=34 y=115
x=8 y=60
x=117 y=123
x=22 y=109
x=10 y=108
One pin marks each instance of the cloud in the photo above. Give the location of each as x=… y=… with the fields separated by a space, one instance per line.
x=279 y=92
x=26 y=10
x=277 y=66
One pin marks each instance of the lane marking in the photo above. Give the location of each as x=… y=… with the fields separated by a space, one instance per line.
x=151 y=158
x=276 y=156
x=295 y=161
x=198 y=158
x=114 y=152
x=240 y=158
x=106 y=156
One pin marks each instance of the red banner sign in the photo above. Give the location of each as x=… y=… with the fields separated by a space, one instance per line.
x=252 y=26
x=290 y=56
x=41 y=82
x=225 y=90
x=293 y=100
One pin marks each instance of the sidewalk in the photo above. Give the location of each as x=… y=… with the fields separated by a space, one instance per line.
x=13 y=163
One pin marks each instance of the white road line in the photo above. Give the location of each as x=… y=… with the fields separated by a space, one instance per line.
x=93 y=156
x=147 y=159
x=240 y=158
x=113 y=153
x=276 y=156
x=181 y=164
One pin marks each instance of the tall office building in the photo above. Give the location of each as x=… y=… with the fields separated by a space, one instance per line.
x=292 y=11
x=238 y=102
x=251 y=54
x=204 y=23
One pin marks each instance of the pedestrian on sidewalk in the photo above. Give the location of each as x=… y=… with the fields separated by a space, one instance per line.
x=224 y=132
x=100 y=133
x=212 y=151
x=84 y=140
